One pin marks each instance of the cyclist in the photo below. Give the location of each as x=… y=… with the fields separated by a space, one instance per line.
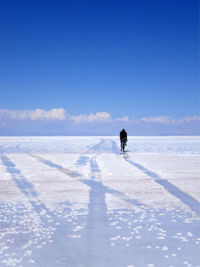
x=123 y=138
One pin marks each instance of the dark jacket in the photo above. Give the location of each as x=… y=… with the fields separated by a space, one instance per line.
x=123 y=134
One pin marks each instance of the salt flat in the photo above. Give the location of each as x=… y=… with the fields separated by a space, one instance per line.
x=77 y=201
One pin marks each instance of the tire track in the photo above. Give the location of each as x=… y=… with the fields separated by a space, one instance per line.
x=188 y=200
x=67 y=252
x=95 y=171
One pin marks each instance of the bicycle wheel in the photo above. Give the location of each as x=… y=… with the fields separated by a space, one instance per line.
x=123 y=145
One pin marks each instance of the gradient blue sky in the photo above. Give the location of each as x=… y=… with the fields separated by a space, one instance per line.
x=134 y=58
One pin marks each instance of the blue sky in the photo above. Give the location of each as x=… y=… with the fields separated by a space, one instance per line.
x=135 y=59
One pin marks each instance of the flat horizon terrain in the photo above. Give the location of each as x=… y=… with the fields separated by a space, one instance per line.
x=78 y=201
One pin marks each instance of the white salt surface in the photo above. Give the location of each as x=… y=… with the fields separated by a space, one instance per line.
x=77 y=201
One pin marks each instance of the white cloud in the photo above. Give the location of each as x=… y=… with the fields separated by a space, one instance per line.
x=98 y=116
x=169 y=120
x=61 y=114
x=125 y=119
x=53 y=114
x=37 y=114
x=91 y=123
x=189 y=119
x=157 y=119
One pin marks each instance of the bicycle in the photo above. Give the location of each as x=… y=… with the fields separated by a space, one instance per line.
x=123 y=144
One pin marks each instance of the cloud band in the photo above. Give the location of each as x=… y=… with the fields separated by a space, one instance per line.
x=62 y=115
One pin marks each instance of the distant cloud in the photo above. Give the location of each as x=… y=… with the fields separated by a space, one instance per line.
x=53 y=114
x=169 y=120
x=189 y=119
x=125 y=119
x=157 y=119
x=61 y=114
x=37 y=114
x=59 y=121
x=98 y=116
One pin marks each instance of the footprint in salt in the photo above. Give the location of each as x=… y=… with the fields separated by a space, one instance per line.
x=184 y=239
x=148 y=246
x=164 y=248
x=127 y=238
x=189 y=234
x=160 y=237
x=115 y=237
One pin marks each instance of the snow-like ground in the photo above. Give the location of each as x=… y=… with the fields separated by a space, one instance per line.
x=77 y=201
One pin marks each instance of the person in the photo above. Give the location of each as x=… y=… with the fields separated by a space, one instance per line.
x=123 y=135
